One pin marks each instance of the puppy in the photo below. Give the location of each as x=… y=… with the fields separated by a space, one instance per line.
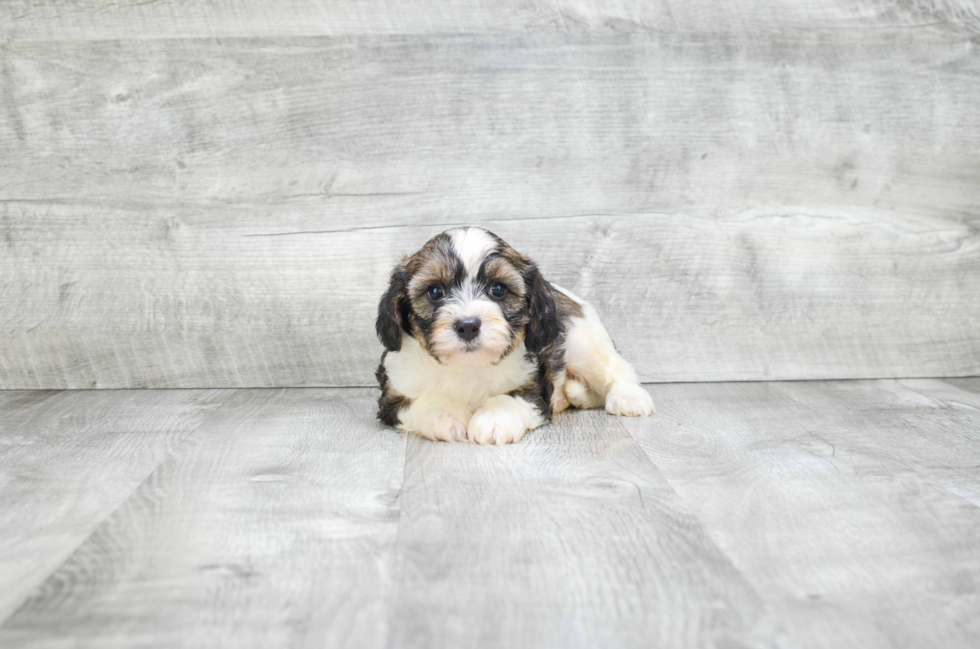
x=480 y=348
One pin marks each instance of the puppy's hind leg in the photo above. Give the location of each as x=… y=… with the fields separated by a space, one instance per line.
x=581 y=396
x=592 y=359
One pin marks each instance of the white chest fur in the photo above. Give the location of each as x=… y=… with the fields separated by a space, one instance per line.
x=413 y=373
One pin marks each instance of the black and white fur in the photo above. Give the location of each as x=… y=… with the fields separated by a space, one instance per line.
x=526 y=349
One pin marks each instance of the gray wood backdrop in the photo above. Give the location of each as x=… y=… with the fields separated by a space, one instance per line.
x=212 y=194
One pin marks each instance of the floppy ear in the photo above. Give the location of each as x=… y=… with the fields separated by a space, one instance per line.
x=543 y=326
x=393 y=310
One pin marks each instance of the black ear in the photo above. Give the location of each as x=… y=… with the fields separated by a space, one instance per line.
x=393 y=311
x=543 y=326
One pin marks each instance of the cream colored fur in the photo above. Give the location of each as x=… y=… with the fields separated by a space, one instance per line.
x=446 y=396
x=596 y=375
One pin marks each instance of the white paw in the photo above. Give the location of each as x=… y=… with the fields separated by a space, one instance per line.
x=580 y=396
x=496 y=426
x=444 y=427
x=629 y=400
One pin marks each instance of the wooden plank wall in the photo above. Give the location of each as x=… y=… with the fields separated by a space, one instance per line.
x=211 y=195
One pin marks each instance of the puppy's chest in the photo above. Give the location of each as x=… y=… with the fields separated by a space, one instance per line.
x=413 y=373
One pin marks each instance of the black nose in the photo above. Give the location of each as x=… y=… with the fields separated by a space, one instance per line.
x=467 y=329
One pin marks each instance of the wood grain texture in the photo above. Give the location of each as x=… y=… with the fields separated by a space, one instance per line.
x=95 y=20
x=396 y=130
x=570 y=539
x=925 y=427
x=820 y=514
x=68 y=460
x=271 y=526
x=687 y=297
x=969 y=389
x=835 y=516
x=799 y=206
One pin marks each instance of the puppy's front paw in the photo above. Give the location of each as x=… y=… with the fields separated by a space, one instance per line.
x=444 y=427
x=496 y=426
x=629 y=400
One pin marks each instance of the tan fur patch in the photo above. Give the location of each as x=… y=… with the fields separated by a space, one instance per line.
x=501 y=269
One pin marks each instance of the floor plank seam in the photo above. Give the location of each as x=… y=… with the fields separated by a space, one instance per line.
x=368 y=386
x=398 y=565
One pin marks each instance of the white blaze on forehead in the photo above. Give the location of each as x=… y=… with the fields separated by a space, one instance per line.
x=472 y=246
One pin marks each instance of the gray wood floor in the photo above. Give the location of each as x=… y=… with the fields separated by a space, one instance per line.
x=816 y=514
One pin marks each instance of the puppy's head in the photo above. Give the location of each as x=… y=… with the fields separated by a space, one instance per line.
x=469 y=299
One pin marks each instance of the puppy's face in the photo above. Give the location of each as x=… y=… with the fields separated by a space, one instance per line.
x=469 y=299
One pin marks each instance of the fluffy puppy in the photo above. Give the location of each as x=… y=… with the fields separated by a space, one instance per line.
x=480 y=348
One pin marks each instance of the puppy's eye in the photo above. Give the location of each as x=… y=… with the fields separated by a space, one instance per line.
x=498 y=290
x=436 y=293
